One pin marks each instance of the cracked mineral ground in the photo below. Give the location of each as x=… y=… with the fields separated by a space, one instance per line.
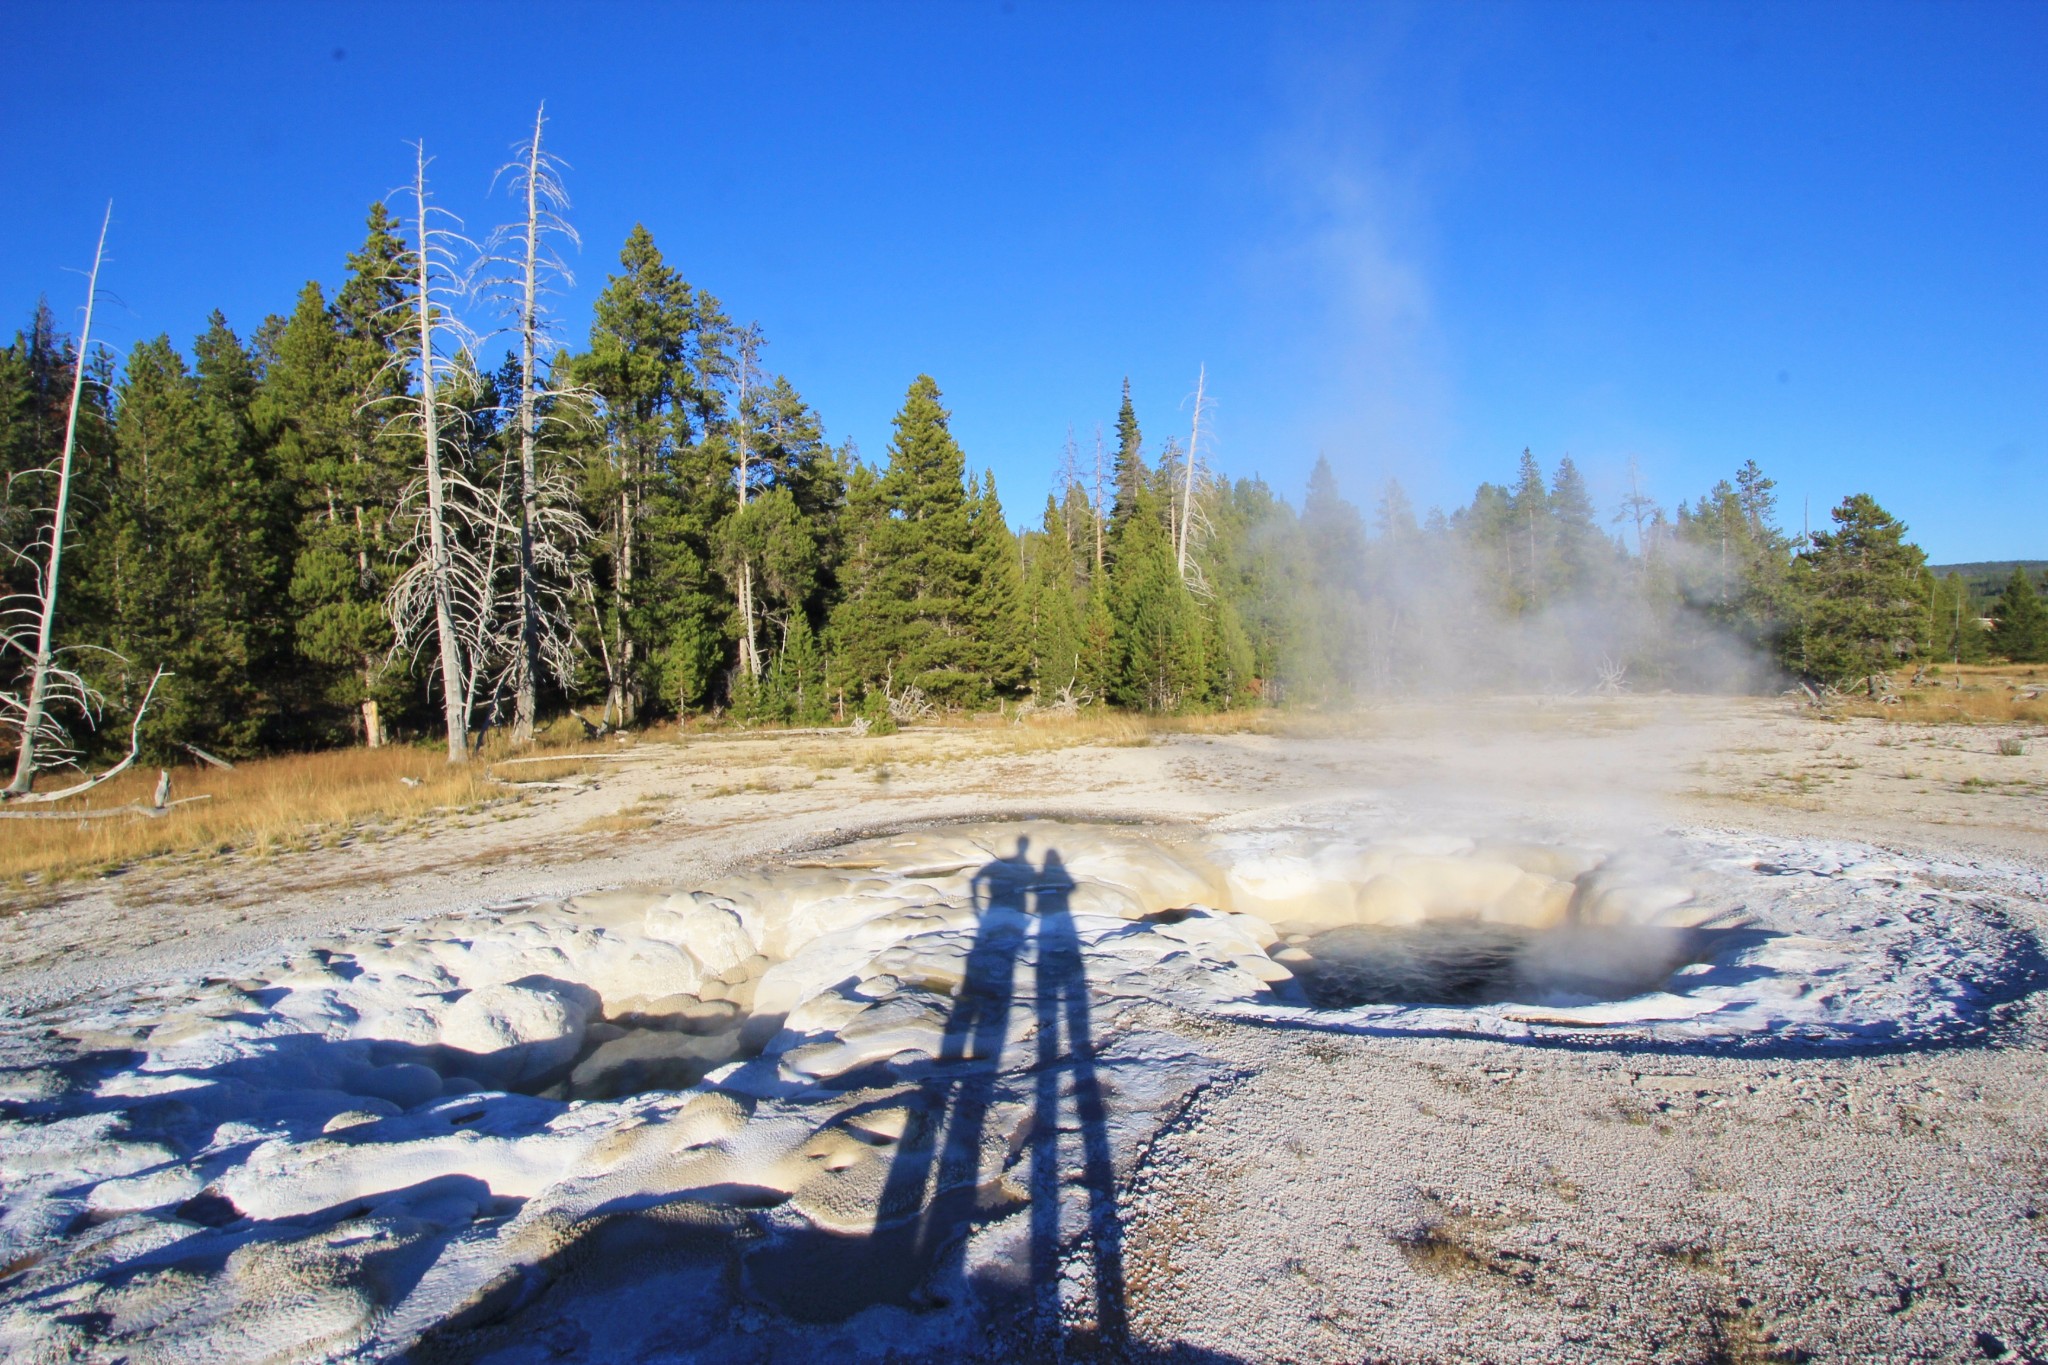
x=1524 y=1031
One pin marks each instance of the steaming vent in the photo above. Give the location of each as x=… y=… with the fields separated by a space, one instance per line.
x=1456 y=923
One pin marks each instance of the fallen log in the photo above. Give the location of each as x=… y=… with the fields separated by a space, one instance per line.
x=104 y=812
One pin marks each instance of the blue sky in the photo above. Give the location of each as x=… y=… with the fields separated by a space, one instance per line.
x=1413 y=239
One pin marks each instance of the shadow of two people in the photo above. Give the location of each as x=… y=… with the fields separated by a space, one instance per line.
x=945 y=1175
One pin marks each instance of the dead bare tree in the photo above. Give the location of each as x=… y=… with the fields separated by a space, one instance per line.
x=1187 y=501
x=434 y=574
x=748 y=370
x=49 y=684
x=536 y=180
x=1640 y=508
x=1098 y=502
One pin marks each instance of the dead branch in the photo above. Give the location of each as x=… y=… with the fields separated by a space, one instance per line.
x=560 y=758
x=542 y=786
x=105 y=812
x=211 y=760
x=134 y=748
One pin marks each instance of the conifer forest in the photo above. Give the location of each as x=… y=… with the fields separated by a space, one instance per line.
x=414 y=504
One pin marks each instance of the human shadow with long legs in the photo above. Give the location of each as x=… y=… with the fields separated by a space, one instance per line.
x=933 y=1192
x=1065 y=1062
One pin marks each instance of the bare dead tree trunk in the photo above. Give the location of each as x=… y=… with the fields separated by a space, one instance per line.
x=750 y=642
x=453 y=692
x=39 y=676
x=1098 y=502
x=527 y=680
x=621 y=683
x=1187 y=497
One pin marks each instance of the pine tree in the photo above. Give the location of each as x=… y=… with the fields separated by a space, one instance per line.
x=1056 y=608
x=657 y=350
x=1160 y=666
x=35 y=388
x=234 y=529
x=1730 y=570
x=1581 y=552
x=997 y=615
x=926 y=559
x=2020 y=621
x=187 y=559
x=136 y=579
x=860 y=631
x=1862 y=593
x=777 y=545
x=1259 y=568
x=1129 y=473
x=343 y=479
x=1530 y=542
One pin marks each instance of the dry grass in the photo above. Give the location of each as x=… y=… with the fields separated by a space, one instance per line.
x=1973 y=694
x=262 y=807
x=629 y=821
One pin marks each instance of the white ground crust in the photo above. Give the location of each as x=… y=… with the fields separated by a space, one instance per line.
x=505 y=1128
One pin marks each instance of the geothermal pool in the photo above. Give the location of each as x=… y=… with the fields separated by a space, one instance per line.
x=875 y=1097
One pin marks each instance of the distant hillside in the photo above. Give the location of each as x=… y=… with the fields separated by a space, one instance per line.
x=1988 y=577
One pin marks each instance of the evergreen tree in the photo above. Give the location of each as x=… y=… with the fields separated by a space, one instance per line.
x=1056 y=607
x=1158 y=623
x=917 y=604
x=35 y=393
x=658 y=349
x=233 y=519
x=1158 y=627
x=1956 y=622
x=1128 y=472
x=1581 y=551
x=780 y=541
x=2019 y=629
x=1862 y=593
x=319 y=409
x=1258 y=567
x=1530 y=537
x=997 y=615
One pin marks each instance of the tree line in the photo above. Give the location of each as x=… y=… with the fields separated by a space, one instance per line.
x=348 y=525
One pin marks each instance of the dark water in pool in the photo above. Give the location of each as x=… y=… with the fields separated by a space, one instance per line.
x=1469 y=962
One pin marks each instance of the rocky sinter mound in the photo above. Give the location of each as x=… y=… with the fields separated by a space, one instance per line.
x=885 y=1098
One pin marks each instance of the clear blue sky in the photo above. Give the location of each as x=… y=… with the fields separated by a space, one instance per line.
x=1414 y=239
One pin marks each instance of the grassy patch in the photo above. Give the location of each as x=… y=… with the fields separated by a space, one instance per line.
x=264 y=806
x=1974 y=694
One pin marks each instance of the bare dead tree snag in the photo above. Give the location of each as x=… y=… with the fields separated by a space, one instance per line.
x=750 y=640
x=536 y=179
x=453 y=691
x=1098 y=502
x=44 y=675
x=1187 y=503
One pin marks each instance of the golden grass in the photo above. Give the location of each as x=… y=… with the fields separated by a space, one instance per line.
x=1972 y=694
x=630 y=821
x=262 y=807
